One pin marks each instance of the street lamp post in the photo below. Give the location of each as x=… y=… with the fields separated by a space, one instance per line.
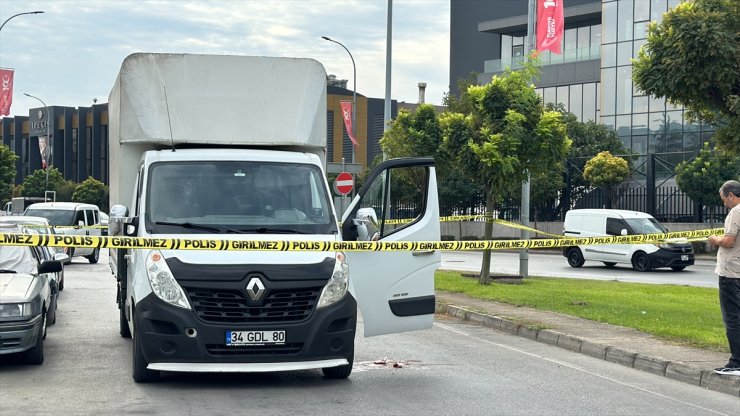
x=48 y=140
x=354 y=93
x=19 y=14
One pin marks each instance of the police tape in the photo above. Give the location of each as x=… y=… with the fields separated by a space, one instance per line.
x=488 y=218
x=116 y=242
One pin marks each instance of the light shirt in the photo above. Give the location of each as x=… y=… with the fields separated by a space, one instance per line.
x=728 y=259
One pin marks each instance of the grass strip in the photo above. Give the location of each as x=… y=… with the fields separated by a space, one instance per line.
x=682 y=314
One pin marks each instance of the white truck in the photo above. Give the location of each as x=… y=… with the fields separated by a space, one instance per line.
x=233 y=147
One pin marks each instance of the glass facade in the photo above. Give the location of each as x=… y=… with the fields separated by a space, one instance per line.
x=644 y=123
x=579 y=99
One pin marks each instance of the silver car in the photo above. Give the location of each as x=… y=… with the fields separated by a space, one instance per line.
x=26 y=303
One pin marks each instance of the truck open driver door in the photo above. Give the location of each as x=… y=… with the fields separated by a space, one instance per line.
x=395 y=289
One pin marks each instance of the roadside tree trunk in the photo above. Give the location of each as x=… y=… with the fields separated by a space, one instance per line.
x=485 y=272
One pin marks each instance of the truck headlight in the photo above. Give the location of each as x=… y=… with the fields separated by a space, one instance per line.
x=337 y=286
x=15 y=310
x=665 y=246
x=162 y=282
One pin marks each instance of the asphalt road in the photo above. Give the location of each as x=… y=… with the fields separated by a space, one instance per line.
x=555 y=265
x=454 y=368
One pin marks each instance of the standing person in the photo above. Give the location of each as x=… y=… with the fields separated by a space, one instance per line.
x=728 y=269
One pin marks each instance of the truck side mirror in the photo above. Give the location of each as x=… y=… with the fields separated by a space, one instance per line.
x=119 y=223
x=367 y=224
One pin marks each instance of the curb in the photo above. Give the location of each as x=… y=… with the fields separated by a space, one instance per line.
x=671 y=369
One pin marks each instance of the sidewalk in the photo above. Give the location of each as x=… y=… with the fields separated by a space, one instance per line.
x=608 y=342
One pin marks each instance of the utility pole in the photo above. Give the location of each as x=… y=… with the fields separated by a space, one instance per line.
x=524 y=210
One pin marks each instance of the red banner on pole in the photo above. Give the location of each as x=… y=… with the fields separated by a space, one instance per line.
x=347 y=116
x=6 y=91
x=549 y=25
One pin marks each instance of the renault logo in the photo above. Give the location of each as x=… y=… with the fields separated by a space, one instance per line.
x=255 y=289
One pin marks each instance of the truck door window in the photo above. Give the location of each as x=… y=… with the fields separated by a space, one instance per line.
x=397 y=197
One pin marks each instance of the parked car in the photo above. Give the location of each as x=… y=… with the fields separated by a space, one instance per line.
x=26 y=300
x=71 y=218
x=675 y=254
x=43 y=227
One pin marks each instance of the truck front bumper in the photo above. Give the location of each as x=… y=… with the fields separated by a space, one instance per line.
x=175 y=339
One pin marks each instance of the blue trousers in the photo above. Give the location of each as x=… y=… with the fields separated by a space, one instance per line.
x=729 y=302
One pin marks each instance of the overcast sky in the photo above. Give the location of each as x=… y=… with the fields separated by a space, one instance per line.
x=71 y=54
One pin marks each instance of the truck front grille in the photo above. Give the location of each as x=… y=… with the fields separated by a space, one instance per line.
x=252 y=350
x=232 y=306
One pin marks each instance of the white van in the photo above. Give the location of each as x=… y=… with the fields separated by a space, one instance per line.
x=71 y=218
x=676 y=254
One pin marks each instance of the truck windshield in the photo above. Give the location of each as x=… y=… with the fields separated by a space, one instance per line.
x=645 y=226
x=55 y=216
x=187 y=197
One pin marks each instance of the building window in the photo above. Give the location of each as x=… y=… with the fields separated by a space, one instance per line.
x=624 y=21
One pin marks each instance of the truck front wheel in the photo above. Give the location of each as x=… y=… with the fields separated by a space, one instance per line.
x=340 y=372
x=140 y=372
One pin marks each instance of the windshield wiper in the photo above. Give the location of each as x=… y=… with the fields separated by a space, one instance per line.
x=215 y=229
x=265 y=230
x=7 y=271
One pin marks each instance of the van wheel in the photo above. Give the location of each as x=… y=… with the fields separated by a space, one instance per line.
x=93 y=258
x=341 y=372
x=139 y=371
x=575 y=257
x=36 y=354
x=609 y=264
x=678 y=268
x=641 y=262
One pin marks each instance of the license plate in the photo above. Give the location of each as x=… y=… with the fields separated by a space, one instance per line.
x=684 y=257
x=255 y=337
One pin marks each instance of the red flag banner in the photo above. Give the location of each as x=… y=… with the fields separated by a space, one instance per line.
x=6 y=91
x=549 y=25
x=347 y=116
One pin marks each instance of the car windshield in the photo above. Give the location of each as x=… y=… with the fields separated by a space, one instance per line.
x=237 y=197
x=55 y=216
x=645 y=226
x=17 y=258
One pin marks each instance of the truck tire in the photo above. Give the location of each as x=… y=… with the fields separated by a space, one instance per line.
x=139 y=372
x=93 y=258
x=575 y=257
x=341 y=372
x=35 y=355
x=641 y=262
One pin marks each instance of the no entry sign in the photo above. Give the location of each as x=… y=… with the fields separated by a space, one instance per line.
x=344 y=183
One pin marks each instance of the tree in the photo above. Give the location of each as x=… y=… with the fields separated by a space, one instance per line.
x=419 y=133
x=701 y=177
x=507 y=136
x=588 y=139
x=35 y=183
x=7 y=173
x=92 y=191
x=65 y=191
x=691 y=59
x=606 y=171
